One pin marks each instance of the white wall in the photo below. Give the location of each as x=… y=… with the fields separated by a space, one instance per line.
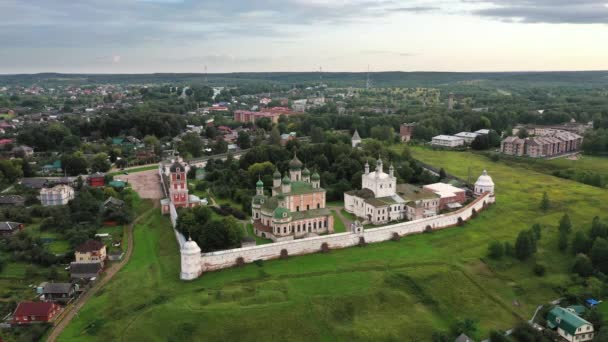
x=223 y=259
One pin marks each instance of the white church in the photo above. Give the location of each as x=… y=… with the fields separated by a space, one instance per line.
x=382 y=200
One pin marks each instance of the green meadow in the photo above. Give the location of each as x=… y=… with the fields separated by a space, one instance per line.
x=401 y=290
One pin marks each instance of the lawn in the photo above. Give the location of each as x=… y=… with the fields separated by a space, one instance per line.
x=401 y=290
x=338 y=224
x=258 y=240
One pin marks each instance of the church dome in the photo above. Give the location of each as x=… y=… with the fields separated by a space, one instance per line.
x=484 y=180
x=295 y=163
x=281 y=213
x=286 y=180
x=315 y=176
x=190 y=247
x=276 y=175
x=259 y=184
x=306 y=172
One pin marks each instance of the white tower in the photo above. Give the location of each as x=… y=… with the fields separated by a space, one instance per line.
x=191 y=260
x=484 y=184
x=366 y=168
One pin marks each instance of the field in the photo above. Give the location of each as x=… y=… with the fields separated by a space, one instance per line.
x=390 y=291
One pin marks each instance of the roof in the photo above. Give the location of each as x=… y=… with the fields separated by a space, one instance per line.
x=114 y=201
x=90 y=246
x=176 y=165
x=117 y=184
x=11 y=199
x=280 y=213
x=356 y=136
x=8 y=226
x=363 y=193
x=85 y=267
x=444 y=190
x=306 y=214
x=295 y=163
x=463 y=338
x=447 y=137
x=414 y=193
x=57 y=288
x=566 y=319
x=34 y=308
x=466 y=135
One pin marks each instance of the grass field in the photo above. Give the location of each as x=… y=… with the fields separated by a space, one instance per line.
x=338 y=224
x=389 y=291
x=133 y=170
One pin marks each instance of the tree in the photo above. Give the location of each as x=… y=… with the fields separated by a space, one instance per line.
x=317 y=135
x=442 y=174
x=481 y=142
x=562 y=242
x=275 y=136
x=74 y=164
x=565 y=226
x=536 y=229
x=602 y=335
x=497 y=336
x=153 y=142
x=495 y=250
x=522 y=133
x=465 y=326
x=599 y=255
x=100 y=163
x=598 y=229
x=192 y=144
x=545 y=203
x=524 y=245
x=243 y=140
x=581 y=243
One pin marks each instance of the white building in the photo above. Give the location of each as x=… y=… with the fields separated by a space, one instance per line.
x=58 y=195
x=483 y=131
x=382 y=200
x=484 y=184
x=447 y=141
x=356 y=139
x=467 y=136
x=299 y=106
x=191 y=260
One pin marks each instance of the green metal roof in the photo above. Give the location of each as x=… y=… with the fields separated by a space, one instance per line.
x=279 y=213
x=257 y=199
x=295 y=163
x=565 y=319
x=300 y=215
x=259 y=184
x=117 y=184
x=306 y=172
x=276 y=174
x=315 y=176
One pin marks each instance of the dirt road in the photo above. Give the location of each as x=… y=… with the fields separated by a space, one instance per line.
x=146 y=183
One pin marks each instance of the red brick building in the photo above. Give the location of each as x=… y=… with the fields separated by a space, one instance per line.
x=35 y=312
x=97 y=179
x=406 y=131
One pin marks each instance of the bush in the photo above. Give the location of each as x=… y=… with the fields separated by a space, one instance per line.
x=460 y=222
x=473 y=213
x=284 y=254
x=240 y=261
x=428 y=229
x=395 y=237
x=539 y=270
x=362 y=242
x=495 y=250
x=259 y=262
x=324 y=247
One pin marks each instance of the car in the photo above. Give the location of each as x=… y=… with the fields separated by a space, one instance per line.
x=126 y=172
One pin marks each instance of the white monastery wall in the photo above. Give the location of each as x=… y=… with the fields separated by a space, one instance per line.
x=228 y=258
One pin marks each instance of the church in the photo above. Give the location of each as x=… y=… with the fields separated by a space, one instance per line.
x=175 y=179
x=381 y=200
x=296 y=207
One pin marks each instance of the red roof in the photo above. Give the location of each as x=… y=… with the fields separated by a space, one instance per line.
x=34 y=309
x=5 y=141
x=90 y=246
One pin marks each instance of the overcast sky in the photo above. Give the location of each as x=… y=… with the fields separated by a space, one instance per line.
x=138 y=36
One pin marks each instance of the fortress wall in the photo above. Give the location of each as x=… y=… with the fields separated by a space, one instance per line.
x=223 y=259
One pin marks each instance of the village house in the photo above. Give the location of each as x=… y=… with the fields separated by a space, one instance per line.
x=447 y=141
x=296 y=207
x=9 y=228
x=22 y=151
x=12 y=200
x=85 y=270
x=90 y=251
x=58 y=292
x=569 y=325
x=35 y=312
x=356 y=139
x=57 y=195
x=97 y=179
x=406 y=131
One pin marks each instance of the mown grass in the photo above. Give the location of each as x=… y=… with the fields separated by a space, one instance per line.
x=401 y=290
x=338 y=224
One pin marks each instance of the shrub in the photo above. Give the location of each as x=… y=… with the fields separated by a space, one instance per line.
x=495 y=250
x=362 y=242
x=259 y=262
x=240 y=261
x=395 y=237
x=284 y=254
x=428 y=229
x=324 y=247
x=460 y=222
x=539 y=270
x=473 y=213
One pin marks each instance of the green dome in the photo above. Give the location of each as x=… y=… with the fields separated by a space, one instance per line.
x=281 y=213
x=281 y=196
x=286 y=180
x=305 y=172
x=315 y=176
x=259 y=199
x=295 y=163
x=276 y=174
x=259 y=184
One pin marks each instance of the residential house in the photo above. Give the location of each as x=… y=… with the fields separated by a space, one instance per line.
x=58 y=292
x=57 y=195
x=35 y=312
x=22 y=151
x=406 y=131
x=97 y=179
x=467 y=136
x=12 y=200
x=90 y=251
x=569 y=325
x=10 y=228
x=85 y=270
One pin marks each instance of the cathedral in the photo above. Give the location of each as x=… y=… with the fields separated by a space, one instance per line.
x=296 y=207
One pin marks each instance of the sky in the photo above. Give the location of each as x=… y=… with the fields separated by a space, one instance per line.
x=144 y=36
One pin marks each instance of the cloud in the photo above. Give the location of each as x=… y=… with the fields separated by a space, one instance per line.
x=417 y=9
x=544 y=11
x=385 y=52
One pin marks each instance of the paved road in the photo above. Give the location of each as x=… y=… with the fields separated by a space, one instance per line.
x=108 y=275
